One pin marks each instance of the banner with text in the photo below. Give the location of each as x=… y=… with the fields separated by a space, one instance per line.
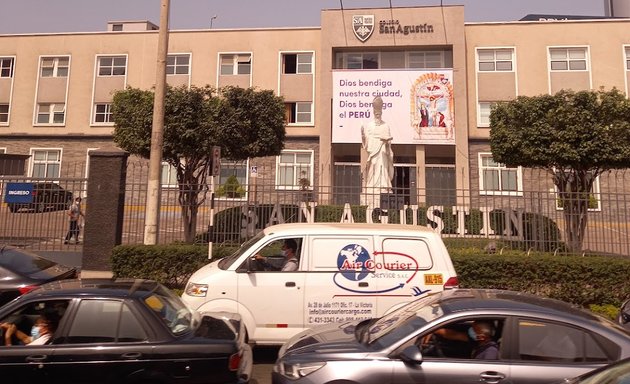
x=418 y=106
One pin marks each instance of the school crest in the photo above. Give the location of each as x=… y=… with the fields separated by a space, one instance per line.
x=363 y=26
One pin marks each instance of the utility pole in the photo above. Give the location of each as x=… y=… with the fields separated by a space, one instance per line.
x=152 y=210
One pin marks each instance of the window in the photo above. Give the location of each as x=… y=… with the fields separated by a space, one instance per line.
x=426 y=59
x=55 y=66
x=117 y=27
x=112 y=66
x=103 y=113
x=496 y=178
x=299 y=112
x=104 y=321
x=4 y=113
x=178 y=65
x=169 y=175
x=6 y=67
x=483 y=119
x=233 y=179
x=46 y=163
x=240 y=64
x=294 y=169
x=594 y=198
x=567 y=59
x=495 y=60
x=298 y=63
x=357 y=60
x=551 y=342
x=628 y=58
x=51 y=113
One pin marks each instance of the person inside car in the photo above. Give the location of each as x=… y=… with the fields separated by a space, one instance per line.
x=289 y=248
x=45 y=326
x=480 y=333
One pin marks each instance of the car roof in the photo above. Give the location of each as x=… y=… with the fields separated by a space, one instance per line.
x=97 y=287
x=497 y=300
x=300 y=229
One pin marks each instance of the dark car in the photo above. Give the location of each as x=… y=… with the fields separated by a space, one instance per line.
x=616 y=373
x=46 y=197
x=123 y=331
x=22 y=271
x=535 y=340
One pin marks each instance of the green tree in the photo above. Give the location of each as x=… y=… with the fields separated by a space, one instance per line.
x=243 y=122
x=575 y=136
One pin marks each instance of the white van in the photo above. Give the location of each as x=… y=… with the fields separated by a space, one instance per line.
x=346 y=271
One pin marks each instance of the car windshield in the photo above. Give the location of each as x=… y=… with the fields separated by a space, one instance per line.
x=23 y=263
x=226 y=262
x=392 y=327
x=171 y=310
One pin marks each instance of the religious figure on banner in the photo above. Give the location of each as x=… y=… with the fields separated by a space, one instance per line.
x=376 y=139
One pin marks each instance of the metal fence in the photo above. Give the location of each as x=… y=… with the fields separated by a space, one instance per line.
x=43 y=223
x=530 y=218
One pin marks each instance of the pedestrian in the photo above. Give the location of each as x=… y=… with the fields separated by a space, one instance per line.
x=74 y=213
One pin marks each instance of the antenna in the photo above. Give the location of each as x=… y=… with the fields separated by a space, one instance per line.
x=211 y=20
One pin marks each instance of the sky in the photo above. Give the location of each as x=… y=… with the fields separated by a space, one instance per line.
x=49 y=16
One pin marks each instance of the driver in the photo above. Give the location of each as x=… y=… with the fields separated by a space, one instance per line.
x=289 y=247
x=480 y=333
x=45 y=325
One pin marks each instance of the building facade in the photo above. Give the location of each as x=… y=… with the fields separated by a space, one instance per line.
x=437 y=75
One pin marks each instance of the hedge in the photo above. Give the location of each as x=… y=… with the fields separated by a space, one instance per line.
x=581 y=280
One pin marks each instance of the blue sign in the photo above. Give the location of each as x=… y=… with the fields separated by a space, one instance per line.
x=18 y=193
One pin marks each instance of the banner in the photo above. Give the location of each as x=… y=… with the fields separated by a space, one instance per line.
x=418 y=106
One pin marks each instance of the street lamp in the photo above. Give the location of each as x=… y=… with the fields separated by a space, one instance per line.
x=211 y=20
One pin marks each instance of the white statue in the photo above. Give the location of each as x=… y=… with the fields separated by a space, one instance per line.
x=377 y=141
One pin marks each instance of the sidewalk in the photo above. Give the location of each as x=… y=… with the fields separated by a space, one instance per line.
x=87 y=274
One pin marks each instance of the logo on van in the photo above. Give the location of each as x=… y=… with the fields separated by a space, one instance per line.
x=355 y=263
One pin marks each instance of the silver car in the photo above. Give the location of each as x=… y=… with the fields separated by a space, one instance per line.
x=532 y=340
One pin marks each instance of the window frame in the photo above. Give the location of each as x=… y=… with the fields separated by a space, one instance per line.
x=495 y=61
x=295 y=169
x=108 y=118
x=500 y=168
x=7 y=114
x=112 y=66
x=57 y=69
x=481 y=115
x=236 y=63
x=343 y=60
x=567 y=58
x=597 y=195
x=33 y=161
x=168 y=178
x=7 y=67
x=626 y=49
x=176 y=65
x=409 y=59
x=232 y=165
x=298 y=64
x=292 y=109
x=54 y=110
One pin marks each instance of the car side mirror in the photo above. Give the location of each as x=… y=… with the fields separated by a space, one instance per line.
x=411 y=355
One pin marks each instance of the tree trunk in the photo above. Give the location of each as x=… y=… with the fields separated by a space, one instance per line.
x=574 y=190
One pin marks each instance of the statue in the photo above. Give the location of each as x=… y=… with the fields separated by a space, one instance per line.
x=376 y=139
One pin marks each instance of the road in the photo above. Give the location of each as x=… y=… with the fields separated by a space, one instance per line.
x=264 y=358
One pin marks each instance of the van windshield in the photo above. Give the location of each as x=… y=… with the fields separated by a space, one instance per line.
x=226 y=262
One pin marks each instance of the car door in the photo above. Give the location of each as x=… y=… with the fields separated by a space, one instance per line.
x=451 y=361
x=552 y=350
x=273 y=298
x=103 y=343
x=27 y=363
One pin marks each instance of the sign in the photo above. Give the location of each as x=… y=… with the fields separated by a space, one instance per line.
x=363 y=26
x=18 y=193
x=418 y=106
x=253 y=171
x=215 y=169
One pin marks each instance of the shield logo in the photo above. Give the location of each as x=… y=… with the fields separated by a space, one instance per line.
x=363 y=26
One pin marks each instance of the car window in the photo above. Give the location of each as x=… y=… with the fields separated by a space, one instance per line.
x=171 y=310
x=23 y=263
x=455 y=340
x=554 y=342
x=99 y=321
x=26 y=316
